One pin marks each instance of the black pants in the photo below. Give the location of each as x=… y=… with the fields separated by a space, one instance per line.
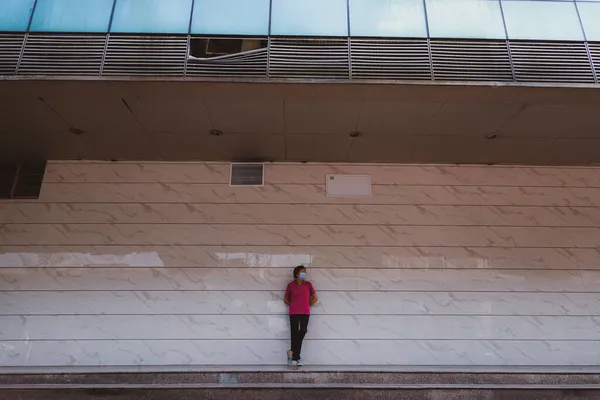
x=298 y=329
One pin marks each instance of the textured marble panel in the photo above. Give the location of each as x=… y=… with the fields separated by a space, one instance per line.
x=250 y=327
x=266 y=279
x=271 y=303
x=442 y=265
x=137 y=172
x=291 y=256
x=303 y=235
x=315 y=173
x=315 y=194
x=329 y=352
x=304 y=214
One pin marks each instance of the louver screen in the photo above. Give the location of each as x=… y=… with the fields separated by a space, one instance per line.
x=246 y=175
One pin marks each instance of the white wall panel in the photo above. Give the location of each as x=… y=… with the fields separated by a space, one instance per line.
x=166 y=264
x=297 y=214
x=290 y=256
x=302 y=235
x=251 y=327
x=324 y=352
x=331 y=279
x=181 y=302
x=315 y=194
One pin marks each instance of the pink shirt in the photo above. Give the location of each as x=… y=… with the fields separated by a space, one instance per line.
x=299 y=296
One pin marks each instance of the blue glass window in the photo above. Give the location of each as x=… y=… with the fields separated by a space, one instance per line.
x=152 y=16
x=590 y=18
x=309 y=18
x=234 y=17
x=381 y=18
x=15 y=14
x=72 y=15
x=481 y=19
x=542 y=20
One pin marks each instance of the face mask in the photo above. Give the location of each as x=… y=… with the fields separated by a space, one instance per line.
x=302 y=276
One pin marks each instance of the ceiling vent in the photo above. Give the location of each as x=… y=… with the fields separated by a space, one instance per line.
x=243 y=174
x=348 y=185
x=21 y=181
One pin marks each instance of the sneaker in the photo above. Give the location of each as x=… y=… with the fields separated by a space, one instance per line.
x=290 y=354
x=297 y=363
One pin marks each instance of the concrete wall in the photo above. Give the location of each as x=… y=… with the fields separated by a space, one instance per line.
x=154 y=264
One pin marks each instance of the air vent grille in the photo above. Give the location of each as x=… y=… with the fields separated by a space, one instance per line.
x=21 y=181
x=62 y=54
x=247 y=174
x=470 y=60
x=390 y=59
x=309 y=58
x=551 y=62
x=595 y=54
x=145 y=55
x=251 y=63
x=298 y=58
x=10 y=51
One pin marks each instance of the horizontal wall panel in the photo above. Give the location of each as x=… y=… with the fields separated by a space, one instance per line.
x=551 y=62
x=309 y=58
x=315 y=174
x=291 y=256
x=145 y=55
x=303 y=214
x=62 y=54
x=11 y=45
x=315 y=194
x=252 y=327
x=390 y=59
x=271 y=303
x=272 y=352
x=223 y=279
x=302 y=235
x=461 y=60
x=247 y=64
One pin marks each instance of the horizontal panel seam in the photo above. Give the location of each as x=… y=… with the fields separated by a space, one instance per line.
x=287 y=339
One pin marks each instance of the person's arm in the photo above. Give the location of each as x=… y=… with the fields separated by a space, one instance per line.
x=286 y=297
x=313 y=296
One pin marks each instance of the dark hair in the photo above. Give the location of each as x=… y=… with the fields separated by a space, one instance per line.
x=297 y=270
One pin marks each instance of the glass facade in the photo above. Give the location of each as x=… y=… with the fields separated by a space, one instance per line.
x=231 y=17
x=72 y=16
x=152 y=16
x=569 y=20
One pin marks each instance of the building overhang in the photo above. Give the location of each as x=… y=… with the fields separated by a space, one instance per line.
x=299 y=121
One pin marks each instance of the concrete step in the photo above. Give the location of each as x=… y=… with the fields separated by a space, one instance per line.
x=303 y=384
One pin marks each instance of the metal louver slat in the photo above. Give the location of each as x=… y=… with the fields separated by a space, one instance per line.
x=309 y=58
x=247 y=64
x=468 y=60
x=595 y=53
x=390 y=59
x=145 y=55
x=62 y=54
x=551 y=62
x=10 y=51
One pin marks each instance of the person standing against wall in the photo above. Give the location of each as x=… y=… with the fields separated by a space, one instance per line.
x=300 y=296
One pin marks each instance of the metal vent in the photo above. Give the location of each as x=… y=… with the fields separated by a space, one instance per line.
x=463 y=60
x=390 y=59
x=251 y=63
x=309 y=58
x=145 y=55
x=62 y=54
x=21 y=181
x=595 y=54
x=551 y=62
x=246 y=175
x=10 y=51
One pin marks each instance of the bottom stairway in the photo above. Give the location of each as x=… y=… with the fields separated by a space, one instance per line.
x=306 y=384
